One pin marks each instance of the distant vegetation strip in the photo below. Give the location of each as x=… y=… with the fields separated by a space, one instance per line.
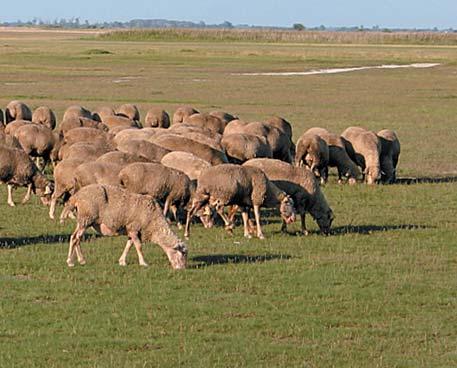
x=283 y=36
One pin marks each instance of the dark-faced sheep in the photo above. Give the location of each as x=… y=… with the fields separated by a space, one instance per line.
x=390 y=152
x=302 y=186
x=242 y=147
x=157 y=118
x=45 y=116
x=245 y=187
x=115 y=211
x=313 y=152
x=182 y=113
x=17 y=110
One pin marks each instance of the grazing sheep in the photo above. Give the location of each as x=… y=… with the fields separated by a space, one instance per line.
x=114 y=211
x=18 y=170
x=183 y=112
x=8 y=140
x=184 y=129
x=186 y=162
x=102 y=112
x=206 y=121
x=96 y=173
x=390 y=152
x=129 y=111
x=76 y=111
x=302 y=186
x=338 y=156
x=242 y=147
x=80 y=122
x=12 y=127
x=367 y=148
x=150 y=151
x=246 y=187
x=120 y=121
x=205 y=152
x=194 y=135
x=280 y=123
x=88 y=135
x=120 y=128
x=225 y=117
x=166 y=185
x=45 y=116
x=17 y=110
x=235 y=127
x=313 y=152
x=89 y=151
x=132 y=133
x=157 y=118
x=120 y=158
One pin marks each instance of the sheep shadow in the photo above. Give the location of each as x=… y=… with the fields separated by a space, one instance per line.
x=11 y=243
x=426 y=180
x=369 y=229
x=219 y=259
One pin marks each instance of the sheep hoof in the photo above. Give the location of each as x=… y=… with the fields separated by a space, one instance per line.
x=25 y=200
x=122 y=262
x=144 y=264
x=261 y=236
x=11 y=204
x=248 y=236
x=70 y=263
x=82 y=262
x=305 y=232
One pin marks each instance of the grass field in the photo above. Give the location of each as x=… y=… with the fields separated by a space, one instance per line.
x=380 y=292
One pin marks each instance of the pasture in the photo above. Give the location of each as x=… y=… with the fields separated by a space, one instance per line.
x=380 y=291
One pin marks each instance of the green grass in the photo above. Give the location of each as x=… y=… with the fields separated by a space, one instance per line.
x=380 y=291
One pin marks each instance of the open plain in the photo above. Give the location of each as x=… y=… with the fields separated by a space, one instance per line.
x=381 y=291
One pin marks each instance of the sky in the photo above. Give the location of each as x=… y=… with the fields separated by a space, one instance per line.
x=367 y=13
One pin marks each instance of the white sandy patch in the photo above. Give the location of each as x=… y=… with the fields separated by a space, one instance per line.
x=125 y=79
x=343 y=70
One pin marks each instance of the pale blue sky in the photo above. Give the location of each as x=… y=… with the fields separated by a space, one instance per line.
x=385 y=13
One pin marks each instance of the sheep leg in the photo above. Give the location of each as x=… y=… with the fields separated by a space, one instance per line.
x=174 y=211
x=10 y=196
x=245 y=217
x=28 y=194
x=232 y=212
x=257 y=222
x=75 y=239
x=166 y=206
x=122 y=260
x=284 y=226
x=190 y=214
x=137 y=243
x=227 y=222
x=303 y=224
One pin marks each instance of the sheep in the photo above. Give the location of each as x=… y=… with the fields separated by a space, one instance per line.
x=89 y=151
x=313 y=152
x=120 y=128
x=184 y=129
x=2 y=119
x=76 y=111
x=231 y=184
x=166 y=185
x=183 y=112
x=88 y=135
x=17 y=169
x=338 y=156
x=235 y=127
x=131 y=133
x=150 y=151
x=186 y=162
x=280 y=123
x=13 y=126
x=8 y=140
x=120 y=121
x=17 y=110
x=367 y=148
x=120 y=158
x=80 y=122
x=38 y=141
x=390 y=151
x=302 y=186
x=194 y=135
x=97 y=173
x=129 y=111
x=157 y=118
x=102 y=112
x=112 y=211
x=242 y=147
x=205 y=152
x=225 y=117
x=45 y=116
x=203 y=120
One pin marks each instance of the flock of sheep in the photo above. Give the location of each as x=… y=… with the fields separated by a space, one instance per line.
x=122 y=177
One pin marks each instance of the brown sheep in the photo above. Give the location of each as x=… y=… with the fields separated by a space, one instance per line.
x=76 y=111
x=150 y=151
x=96 y=173
x=183 y=112
x=120 y=158
x=120 y=121
x=184 y=129
x=102 y=112
x=313 y=152
x=186 y=162
x=80 y=122
x=129 y=111
x=45 y=116
x=88 y=135
x=367 y=148
x=132 y=133
x=302 y=186
x=13 y=126
x=390 y=152
x=338 y=156
x=89 y=151
x=114 y=211
x=9 y=141
x=157 y=118
x=225 y=117
x=235 y=127
x=17 y=110
x=242 y=147
x=246 y=187
x=207 y=121
x=280 y=123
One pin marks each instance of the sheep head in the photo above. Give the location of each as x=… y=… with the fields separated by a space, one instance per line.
x=178 y=256
x=287 y=209
x=324 y=221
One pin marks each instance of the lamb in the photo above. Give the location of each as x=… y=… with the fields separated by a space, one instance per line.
x=129 y=111
x=302 y=186
x=80 y=122
x=225 y=117
x=166 y=185
x=150 y=151
x=231 y=184
x=205 y=152
x=242 y=147
x=114 y=211
x=157 y=118
x=338 y=156
x=17 y=169
x=390 y=151
x=45 y=116
x=120 y=158
x=183 y=112
x=186 y=162
x=207 y=121
x=76 y=111
x=367 y=148
x=313 y=152
x=17 y=110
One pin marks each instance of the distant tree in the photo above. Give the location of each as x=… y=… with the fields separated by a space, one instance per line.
x=298 y=27
x=227 y=24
